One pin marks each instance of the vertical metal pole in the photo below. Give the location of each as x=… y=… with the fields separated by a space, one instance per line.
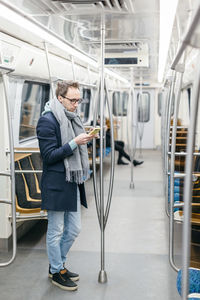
x=141 y=127
x=188 y=184
x=49 y=69
x=102 y=274
x=73 y=69
x=164 y=138
x=168 y=121
x=172 y=168
x=12 y=178
x=132 y=130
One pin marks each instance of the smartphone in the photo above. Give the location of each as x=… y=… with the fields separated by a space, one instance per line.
x=94 y=131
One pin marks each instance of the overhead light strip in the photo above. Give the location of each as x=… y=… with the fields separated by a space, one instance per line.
x=167 y=16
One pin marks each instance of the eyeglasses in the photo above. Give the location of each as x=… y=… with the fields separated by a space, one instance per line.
x=73 y=100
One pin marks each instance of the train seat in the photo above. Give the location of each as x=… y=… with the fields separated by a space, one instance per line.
x=195 y=218
x=31 y=178
x=37 y=164
x=106 y=151
x=194 y=281
x=22 y=194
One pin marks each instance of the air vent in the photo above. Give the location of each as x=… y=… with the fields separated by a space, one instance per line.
x=113 y=3
x=78 y=1
x=106 y=4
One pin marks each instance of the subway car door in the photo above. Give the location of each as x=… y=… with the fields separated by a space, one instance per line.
x=144 y=105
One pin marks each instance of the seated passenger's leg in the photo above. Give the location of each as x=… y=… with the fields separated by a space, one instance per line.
x=122 y=153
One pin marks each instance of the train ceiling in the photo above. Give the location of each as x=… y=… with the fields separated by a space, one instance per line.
x=128 y=23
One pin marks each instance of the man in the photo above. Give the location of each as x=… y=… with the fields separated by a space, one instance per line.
x=63 y=147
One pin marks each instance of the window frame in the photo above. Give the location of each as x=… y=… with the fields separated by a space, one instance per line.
x=41 y=103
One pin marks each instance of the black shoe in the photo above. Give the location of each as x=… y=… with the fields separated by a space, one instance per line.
x=121 y=162
x=137 y=163
x=63 y=281
x=72 y=276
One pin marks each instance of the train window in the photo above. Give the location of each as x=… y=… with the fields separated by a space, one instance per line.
x=143 y=103
x=85 y=105
x=34 y=97
x=125 y=96
x=115 y=103
x=120 y=103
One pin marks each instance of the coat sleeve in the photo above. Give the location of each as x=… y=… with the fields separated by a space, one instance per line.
x=50 y=150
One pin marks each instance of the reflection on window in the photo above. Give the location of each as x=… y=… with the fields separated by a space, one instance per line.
x=115 y=103
x=85 y=105
x=34 y=97
x=143 y=103
x=121 y=61
x=120 y=103
x=124 y=103
x=160 y=102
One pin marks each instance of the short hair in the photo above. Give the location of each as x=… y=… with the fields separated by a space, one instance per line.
x=63 y=86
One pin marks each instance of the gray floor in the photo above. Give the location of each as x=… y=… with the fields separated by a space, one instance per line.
x=136 y=246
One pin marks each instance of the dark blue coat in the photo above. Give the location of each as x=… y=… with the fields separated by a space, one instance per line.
x=57 y=193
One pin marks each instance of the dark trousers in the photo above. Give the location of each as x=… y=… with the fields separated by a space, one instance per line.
x=119 y=146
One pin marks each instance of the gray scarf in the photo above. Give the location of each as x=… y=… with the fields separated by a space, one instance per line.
x=76 y=165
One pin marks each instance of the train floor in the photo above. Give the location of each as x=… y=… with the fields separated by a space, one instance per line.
x=136 y=243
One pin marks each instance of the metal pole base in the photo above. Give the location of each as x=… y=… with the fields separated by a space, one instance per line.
x=132 y=186
x=102 y=277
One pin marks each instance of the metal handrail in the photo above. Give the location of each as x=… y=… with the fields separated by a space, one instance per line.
x=102 y=274
x=178 y=127
x=96 y=194
x=132 y=126
x=164 y=138
x=12 y=175
x=168 y=121
x=5 y=201
x=8 y=174
x=172 y=169
x=184 y=153
x=188 y=183
x=28 y=171
x=49 y=68
x=112 y=161
x=186 y=39
x=27 y=151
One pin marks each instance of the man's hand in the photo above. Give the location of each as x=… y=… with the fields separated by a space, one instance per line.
x=83 y=138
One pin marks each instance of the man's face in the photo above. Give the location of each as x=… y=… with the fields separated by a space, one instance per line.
x=69 y=99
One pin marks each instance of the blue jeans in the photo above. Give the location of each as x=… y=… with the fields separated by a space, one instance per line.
x=63 y=228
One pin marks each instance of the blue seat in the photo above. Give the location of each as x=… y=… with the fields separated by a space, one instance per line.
x=106 y=151
x=194 y=281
